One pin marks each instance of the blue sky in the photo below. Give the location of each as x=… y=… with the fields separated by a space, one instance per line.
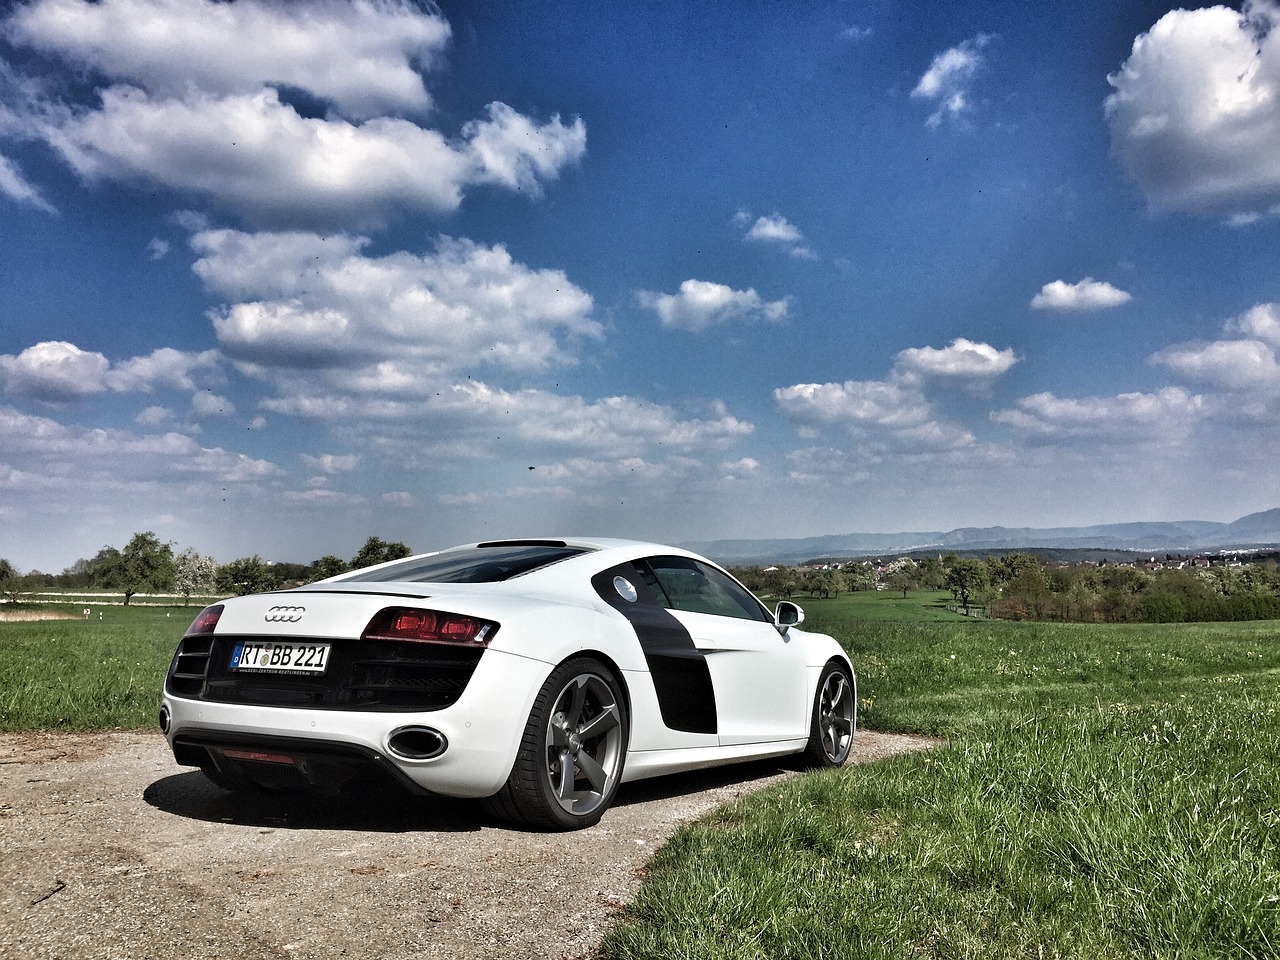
x=280 y=276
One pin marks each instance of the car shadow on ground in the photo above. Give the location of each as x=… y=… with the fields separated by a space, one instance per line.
x=388 y=808
x=384 y=808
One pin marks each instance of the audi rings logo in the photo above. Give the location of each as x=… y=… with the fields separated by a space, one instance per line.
x=284 y=614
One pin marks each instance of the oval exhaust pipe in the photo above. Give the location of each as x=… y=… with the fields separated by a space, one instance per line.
x=164 y=718
x=417 y=743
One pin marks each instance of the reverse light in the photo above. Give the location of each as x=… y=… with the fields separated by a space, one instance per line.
x=205 y=621
x=429 y=626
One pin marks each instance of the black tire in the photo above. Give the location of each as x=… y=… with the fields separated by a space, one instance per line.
x=572 y=752
x=832 y=723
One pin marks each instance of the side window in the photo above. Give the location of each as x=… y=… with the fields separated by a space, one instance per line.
x=698 y=588
x=650 y=579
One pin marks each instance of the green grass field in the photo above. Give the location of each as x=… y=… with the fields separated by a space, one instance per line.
x=1106 y=791
x=918 y=607
x=93 y=674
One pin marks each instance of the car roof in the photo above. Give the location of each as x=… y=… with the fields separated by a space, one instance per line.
x=599 y=553
x=593 y=544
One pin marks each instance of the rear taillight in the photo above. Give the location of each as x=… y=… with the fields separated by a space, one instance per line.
x=429 y=626
x=206 y=621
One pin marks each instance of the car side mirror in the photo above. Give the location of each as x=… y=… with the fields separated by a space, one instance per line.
x=787 y=615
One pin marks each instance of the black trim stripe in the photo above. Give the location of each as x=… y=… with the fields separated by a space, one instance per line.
x=680 y=674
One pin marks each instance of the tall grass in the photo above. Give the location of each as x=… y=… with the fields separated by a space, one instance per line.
x=79 y=674
x=1106 y=792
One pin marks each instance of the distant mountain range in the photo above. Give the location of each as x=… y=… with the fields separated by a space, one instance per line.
x=1255 y=530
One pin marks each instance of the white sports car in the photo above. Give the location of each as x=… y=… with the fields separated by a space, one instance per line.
x=536 y=674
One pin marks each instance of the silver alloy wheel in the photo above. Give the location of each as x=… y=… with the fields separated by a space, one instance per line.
x=584 y=744
x=835 y=716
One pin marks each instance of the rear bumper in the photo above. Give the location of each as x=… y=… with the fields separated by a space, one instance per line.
x=482 y=731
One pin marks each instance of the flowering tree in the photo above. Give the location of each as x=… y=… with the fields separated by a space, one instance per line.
x=194 y=574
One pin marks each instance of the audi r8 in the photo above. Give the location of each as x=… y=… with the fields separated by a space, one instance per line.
x=536 y=675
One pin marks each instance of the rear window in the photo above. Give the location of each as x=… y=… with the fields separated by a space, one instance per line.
x=486 y=563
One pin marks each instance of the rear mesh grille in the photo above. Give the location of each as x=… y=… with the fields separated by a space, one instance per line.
x=361 y=675
x=190 y=666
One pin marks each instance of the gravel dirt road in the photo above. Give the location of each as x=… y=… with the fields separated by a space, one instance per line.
x=109 y=850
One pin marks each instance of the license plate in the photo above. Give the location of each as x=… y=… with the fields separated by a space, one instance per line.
x=281 y=657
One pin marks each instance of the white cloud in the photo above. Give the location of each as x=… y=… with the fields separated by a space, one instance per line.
x=54 y=371
x=613 y=425
x=258 y=156
x=399 y=498
x=1088 y=294
x=947 y=81
x=321 y=497
x=164 y=367
x=1195 y=112
x=775 y=229
x=198 y=100
x=825 y=465
x=513 y=151
x=778 y=231
x=287 y=334
x=16 y=187
x=964 y=361
x=360 y=56
x=309 y=302
x=1244 y=219
x=155 y=418
x=740 y=469
x=855 y=402
x=270 y=265
x=1227 y=364
x=701 y=304
x=879 y=414
x=577 y=471
x=1261 y=321
x=1164 y=416
x=331 y=463
x=468 y=499
x=60 y=372
x=1246 y=363
x=67 y=459
x=206 y=404
x=473 y=420
x=896 y=411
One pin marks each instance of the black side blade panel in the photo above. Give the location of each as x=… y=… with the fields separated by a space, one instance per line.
x=680 y=674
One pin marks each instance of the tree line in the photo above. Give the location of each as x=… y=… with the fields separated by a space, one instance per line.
x=148 y=565
x=1016 y=586
x=829 y=580
x=1130 y=594
x=1022 y=586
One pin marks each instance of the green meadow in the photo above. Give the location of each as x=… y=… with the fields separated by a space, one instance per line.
x=87 y=674
x=1100 y=791
x=919 y=606
x=1103 y=791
